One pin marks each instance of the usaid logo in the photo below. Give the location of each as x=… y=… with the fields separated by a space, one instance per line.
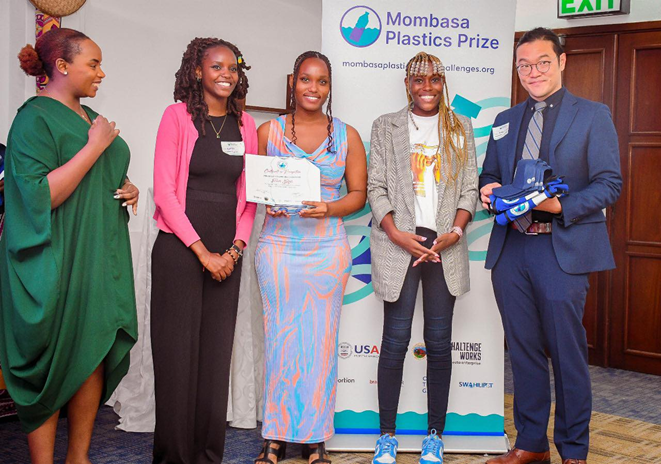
x=360 y=26
x=344 y=350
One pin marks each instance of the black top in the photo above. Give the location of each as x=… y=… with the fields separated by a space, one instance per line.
x=550 y=113
x=211 y=169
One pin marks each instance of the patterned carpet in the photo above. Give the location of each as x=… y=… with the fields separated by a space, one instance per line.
x=626 y=428
x=615 y=439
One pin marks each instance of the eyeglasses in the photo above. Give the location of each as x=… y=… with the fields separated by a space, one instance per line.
x=526 y=69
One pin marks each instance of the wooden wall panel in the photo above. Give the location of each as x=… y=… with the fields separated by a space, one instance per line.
x=645 y=92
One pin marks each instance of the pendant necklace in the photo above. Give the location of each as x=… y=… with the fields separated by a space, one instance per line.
x=84 y=115
x=221 y=126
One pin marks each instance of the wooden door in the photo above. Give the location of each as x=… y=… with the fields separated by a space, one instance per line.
x=635 y=319
x=588 y=74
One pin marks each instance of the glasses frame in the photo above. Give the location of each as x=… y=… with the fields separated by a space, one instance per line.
x=536 y=65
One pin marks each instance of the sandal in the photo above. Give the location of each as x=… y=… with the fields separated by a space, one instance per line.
x=268 y=449
x=319 y=450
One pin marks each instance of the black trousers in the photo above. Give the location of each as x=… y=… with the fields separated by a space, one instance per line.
x=192 y=331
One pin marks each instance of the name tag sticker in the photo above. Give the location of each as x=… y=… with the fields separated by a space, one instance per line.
x=233 y=148
x=501 y=131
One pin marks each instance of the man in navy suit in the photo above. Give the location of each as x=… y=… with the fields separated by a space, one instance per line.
x=540 y=275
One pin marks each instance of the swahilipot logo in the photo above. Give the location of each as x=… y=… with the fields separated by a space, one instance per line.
x=360 y=26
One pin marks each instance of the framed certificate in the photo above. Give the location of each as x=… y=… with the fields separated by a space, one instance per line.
x=281 y=181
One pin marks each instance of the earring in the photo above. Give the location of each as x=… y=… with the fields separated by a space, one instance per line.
x=199 y=79
x=66 y=73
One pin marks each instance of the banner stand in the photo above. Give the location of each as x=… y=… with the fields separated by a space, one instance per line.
x=369 y=43
x=463 y=444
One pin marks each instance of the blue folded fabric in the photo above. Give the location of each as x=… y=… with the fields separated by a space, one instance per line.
x=528 y=178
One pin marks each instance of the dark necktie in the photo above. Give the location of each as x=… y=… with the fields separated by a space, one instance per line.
x=531 y=151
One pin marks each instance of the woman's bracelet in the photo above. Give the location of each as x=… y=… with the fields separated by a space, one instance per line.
x=457 y=230
x=236 y=250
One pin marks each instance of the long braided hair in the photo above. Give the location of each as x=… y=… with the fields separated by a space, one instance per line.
x=189 y=90
x=329 y=110
x=450 y=129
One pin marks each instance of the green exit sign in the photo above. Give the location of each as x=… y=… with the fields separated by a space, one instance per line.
x=569 y=9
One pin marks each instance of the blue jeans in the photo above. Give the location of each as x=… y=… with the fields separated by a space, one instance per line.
x=438 y=308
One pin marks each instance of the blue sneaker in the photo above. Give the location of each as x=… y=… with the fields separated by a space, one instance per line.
x=385 y=451
x=432 y=449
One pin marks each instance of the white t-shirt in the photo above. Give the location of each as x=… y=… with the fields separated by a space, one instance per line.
x=425 y=168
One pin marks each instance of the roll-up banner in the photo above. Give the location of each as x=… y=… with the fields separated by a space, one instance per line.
x=369 y=44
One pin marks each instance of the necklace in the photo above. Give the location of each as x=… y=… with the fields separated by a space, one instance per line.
x=221 y=126
x=83 y=115
x=413 y=120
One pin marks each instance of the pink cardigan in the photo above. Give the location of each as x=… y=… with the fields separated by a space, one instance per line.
x=174 y=147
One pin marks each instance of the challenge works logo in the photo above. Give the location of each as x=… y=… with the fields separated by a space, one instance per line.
x=469 y=353
x=360 y=26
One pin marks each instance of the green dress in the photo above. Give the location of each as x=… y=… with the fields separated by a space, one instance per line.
x=66 y=280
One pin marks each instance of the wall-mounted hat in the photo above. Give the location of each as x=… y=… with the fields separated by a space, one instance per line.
x=58 y=7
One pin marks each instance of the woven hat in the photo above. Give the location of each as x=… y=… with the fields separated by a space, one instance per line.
x=58 y=7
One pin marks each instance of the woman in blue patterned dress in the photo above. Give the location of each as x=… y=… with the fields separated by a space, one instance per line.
x=303 y=261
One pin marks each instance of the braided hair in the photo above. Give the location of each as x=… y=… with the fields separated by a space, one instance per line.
x=450 y=129
x=189 y=90
x=329 y=110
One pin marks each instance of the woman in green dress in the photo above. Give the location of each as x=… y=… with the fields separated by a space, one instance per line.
x=67 y=309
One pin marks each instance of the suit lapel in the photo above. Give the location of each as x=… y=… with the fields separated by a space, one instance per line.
x=568 y=110
x=510 y=143
x=402 y=150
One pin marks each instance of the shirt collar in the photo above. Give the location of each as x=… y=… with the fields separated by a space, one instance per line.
x=552 y=101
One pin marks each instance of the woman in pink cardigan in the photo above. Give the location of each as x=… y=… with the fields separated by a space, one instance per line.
x=204 y=222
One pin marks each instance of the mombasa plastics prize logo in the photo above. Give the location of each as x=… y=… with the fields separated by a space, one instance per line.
x=360 y=26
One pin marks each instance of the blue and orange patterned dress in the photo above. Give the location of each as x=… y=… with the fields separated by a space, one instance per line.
x=303 y=265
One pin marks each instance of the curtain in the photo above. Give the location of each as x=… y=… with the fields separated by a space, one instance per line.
x=133 y=401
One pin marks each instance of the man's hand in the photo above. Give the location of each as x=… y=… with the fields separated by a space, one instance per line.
x=485 y=192
x=550 y=205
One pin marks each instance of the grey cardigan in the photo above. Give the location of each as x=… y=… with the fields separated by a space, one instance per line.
x=390 y=190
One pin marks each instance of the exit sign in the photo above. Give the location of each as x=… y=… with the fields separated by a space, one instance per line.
x=569 y=9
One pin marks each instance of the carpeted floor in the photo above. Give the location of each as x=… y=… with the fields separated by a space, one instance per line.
x=626 y=428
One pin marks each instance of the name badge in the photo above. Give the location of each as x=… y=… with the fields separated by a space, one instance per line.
x=501 y=131
x=233 y=148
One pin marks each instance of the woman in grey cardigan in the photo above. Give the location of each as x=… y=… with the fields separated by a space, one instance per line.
x=422 y=188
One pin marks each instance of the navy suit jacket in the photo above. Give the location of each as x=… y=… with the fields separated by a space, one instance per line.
x=584 y=149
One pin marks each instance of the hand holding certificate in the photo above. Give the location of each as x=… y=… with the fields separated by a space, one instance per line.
x=280 y=181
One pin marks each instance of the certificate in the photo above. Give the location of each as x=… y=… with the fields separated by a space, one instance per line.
x=282 y=181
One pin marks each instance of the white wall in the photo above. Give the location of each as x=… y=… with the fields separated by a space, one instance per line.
x=536 y=13
x=16 y=17
x=142 y=44
x=142 y=48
